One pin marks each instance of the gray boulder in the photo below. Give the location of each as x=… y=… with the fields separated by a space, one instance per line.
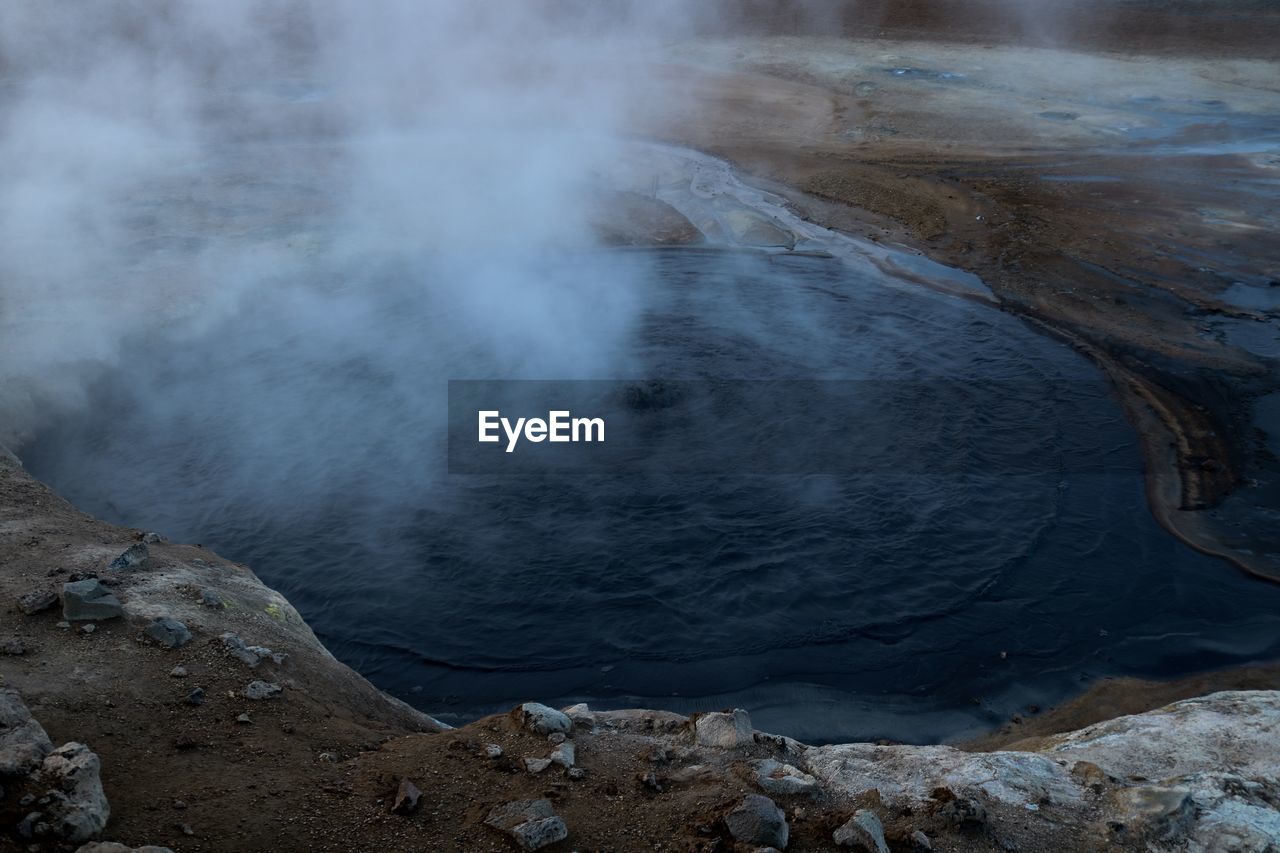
x=134 y=557
x=169 y=633
x=531 y=824
x=543 y=720
x=77 y=808
x=23 y=741
x=863 y=831
x=89 y=601
x=758 y=820
x=724 y=729
x=783 y=779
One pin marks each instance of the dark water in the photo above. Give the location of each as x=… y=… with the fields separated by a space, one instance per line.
x=302 y=434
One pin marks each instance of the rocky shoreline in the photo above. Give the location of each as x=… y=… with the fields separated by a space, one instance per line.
x=199 y=712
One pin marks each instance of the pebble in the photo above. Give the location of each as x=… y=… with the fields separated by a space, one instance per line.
x=577 y=773
x=556 y=737
x=13 y=646
x=178 y=672
x=244 y=718
x=531 y=824
x=196 y=697
x=536 y=765
x=88 y=629
x=492 y=750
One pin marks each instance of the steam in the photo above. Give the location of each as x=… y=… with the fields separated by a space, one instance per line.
x=164 y=170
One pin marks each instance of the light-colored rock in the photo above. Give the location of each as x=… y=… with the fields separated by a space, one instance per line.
x=536 y=765
x=724 y=729
x=758 y=820
x=250 y=655
x=863 y=831
x=563 y=754
x=23 y=741
x=77 y=808
x=89 y=601
x=921 y=841
x=783 y=779
x=581 y=715
x=543 y=720
x=407 y=797
x=37 y=601
x=492 y=750
x=531 y=824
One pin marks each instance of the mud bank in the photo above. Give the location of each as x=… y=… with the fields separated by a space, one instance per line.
x=236 y=730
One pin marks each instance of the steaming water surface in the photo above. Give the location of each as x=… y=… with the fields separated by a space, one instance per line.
x=301 y=435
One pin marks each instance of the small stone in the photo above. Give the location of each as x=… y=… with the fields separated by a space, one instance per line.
x=13 y=646
x=259 y=690
x=650 y=780
x=179 y=805
x=89 y=601
x=724 y=730
x=251 y=655
x=758 y=820
x=556 y=737
x=178 y=672
x=152 y=538
x=863 y=831
x=407 y=796
x=581 y=715
x=169 y=633
x=134 y=557
x=37 y=601
x=921 y=841
x=783 y=779
x=577 y=773
x=531 y=824
x=244 y=719
x=563 y=754
x=88 y=629
x=492 y=750
x=186 y=829
x=209 y=598
x=536 y=765
x=196 y=696
x=963 y=813
x=541 y=719
x=64 y=625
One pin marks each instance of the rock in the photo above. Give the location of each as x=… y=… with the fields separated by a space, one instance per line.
x=210 y=598
x=724 y=730
x=536 y=765
x=563 y=754
x=407 y=796
x=492 y=750
x=251 y=655
x=13 y=647
x=169 y=633
x=89 y=601
x=262 y=690
x=88 y=629
x=863 y=831
x=77 y=808
x=1157 y=813
x=541 y=719
x=64 y=625
x=134 y=557
x=152 y=538
x=37 y=601
x=116 y=847
x=758 y=820
x=244 y=719
x=783 y=779
x=178 y=672
x=23 y=741
x=195 y=697
x=963 y=813
x=577 y=773
x=555 y=737
x=26 y=827
x=531 y=824
x=581 y=715
x=921 y=841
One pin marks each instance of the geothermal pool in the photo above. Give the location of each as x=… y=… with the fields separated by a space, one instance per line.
x=301 y=432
